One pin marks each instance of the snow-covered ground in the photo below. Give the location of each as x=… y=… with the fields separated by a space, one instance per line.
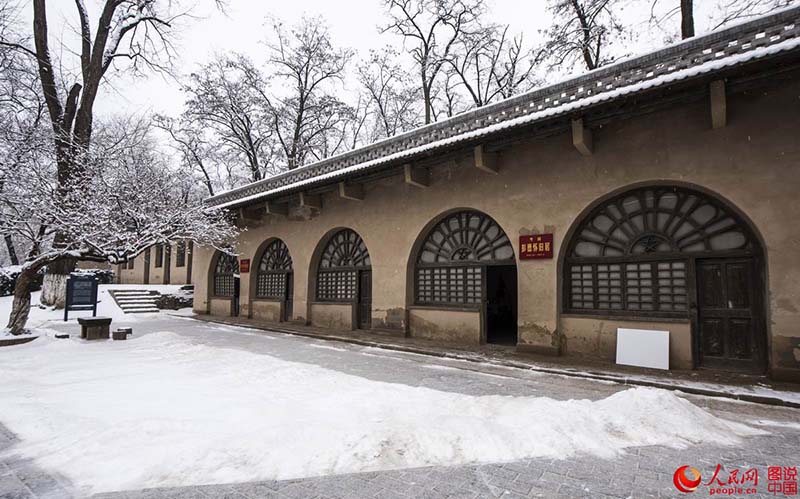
x=165 y=410
x=106 y=307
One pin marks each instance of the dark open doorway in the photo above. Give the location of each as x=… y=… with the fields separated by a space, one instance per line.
x=236 y=295
x=501 y=304
x=288 y=299
x=364 y=305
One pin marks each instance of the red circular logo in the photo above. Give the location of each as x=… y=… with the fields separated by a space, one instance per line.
x=686 y=479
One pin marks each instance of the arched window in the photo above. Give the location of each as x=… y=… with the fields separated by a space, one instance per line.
x=273 y=269
x=337 y=276
x=224 y=275
x=450 y=262
x=633 y=253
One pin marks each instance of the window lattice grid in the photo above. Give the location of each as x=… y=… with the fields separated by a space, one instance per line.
x=609 y=287
x=671 y=279
x=276 y=257
x=271 y=285
x=225 y=273
x=345 y=249
x=449 y=285
x=223 y=285
x=466 y=236
x=581 y=286
x=633 y=287
x=639 y=286
x=661 y=219
x=337 y=285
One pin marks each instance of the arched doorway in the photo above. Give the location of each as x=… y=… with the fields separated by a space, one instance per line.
x=225 y=280
x=467 y=261
x=344 y=274
x=673 y=252
x=274 y=277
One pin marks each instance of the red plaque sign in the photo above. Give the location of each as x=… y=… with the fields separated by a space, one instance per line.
x=537 y=246
x=244 y=265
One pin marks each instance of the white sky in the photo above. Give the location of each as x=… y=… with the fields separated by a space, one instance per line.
x=244 y=26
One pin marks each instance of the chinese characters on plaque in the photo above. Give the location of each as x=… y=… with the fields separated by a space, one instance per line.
x=537 y=246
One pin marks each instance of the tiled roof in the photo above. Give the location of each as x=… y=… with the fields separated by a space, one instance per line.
x=766 y=36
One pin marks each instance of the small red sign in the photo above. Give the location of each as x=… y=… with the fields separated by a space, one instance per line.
x=537 y=246
x=244 y=265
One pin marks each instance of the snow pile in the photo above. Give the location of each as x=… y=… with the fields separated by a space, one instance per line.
x=161 y=411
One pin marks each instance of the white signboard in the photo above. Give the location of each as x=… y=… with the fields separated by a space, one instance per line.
x=643 y=348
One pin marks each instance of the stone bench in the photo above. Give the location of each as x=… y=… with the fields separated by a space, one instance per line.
x=94 y=328
x=121 y=333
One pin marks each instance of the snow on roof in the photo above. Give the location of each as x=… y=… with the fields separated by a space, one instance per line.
x=767 y=36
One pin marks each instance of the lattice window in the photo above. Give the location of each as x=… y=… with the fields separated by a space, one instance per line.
x=671 y=280
x=629 y=254
x=273 y=268
x=450 y=262
x=336 y=285
x=225 y=274
x=343 y=256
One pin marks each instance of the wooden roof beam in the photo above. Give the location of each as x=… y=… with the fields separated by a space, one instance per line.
x=307 y=201
x=416 y=176
x=719 y=107
x=274 y=208
x=485 y=161
x=582 y=137
x=353 y=192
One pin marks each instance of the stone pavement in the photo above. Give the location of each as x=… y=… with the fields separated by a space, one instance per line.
x=643 y=472
x=640 y=472
x=696 y=381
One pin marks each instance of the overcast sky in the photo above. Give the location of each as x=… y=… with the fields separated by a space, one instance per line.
x=244 y=27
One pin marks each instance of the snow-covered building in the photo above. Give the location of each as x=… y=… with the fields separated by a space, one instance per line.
x=657 y=193
x=159 y=264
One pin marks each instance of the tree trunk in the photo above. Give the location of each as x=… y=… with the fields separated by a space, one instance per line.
x=12 y=252
x=21 y=306
x=687 y=19
x=426 y=96
x=54 y=286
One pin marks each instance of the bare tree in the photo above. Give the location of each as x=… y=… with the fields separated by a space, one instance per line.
x=687 y=19
x=135 y=32
x=718 y=12
x=308 y=118
x=583 y=30
x=124 y=199
x=393 y=98
x=22 y=112
x=431 y=28
x=492 y=66
x=223 y=105
x=191 y=144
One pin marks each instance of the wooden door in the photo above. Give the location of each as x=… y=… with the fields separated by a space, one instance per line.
x=364 y=305
x=730 y=332
x=236 y=295
x=288 y=300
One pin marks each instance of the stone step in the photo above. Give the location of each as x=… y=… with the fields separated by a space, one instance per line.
x=136 y=301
